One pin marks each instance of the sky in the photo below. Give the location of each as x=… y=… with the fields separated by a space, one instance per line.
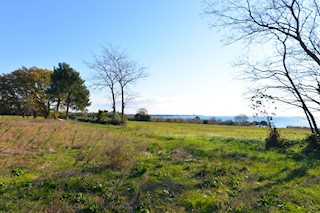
x=189 y=68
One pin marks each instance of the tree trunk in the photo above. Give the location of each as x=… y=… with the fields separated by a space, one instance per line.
x=315 y=126
x=309 y=121
x=68 y=105
x=309 y=115
x=122 y=104
x=48 y=109
x=113 y=101
x=58 y=104
x=67 y=112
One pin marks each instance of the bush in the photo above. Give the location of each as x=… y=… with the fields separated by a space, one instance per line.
x=120 y=156
x=116 y=119
x=273 y=139
x=72 y=116
x=314 y=141
x=54 y=115
x=140 y=117
x=62 y=115
x=101 y=116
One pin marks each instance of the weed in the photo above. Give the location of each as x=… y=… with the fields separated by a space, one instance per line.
x=120 y=155
x=137 y=171
x=50 y=184
x=75 y=198
x=17 y=172
x=91 y=208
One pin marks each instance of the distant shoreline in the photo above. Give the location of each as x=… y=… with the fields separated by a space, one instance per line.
x=278 y=121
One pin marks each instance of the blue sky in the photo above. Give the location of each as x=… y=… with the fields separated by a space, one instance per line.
x=189 y=68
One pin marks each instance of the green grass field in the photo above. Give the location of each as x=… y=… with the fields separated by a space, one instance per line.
x=65 y=166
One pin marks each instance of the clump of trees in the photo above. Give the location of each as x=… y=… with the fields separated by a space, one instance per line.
x=24 y=92
x=241 y=119
x=67 y=89
x=36 y=92
x=142 y=115
x=115 y=71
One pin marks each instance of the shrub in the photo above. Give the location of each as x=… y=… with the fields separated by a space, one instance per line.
x=273 y=139
x=228 y=122
x=101 y=116
x=314 y=141
x=142 y=115
x=17 y=172
x=72 y=116
x=116 y=119
x=120 y=157
x=139 y=117
x=62 y=115
x=54 y=115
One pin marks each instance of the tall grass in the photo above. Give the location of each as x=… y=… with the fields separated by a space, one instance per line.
x=64 y=166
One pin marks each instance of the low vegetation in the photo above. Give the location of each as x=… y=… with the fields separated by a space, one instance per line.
x=66 y=166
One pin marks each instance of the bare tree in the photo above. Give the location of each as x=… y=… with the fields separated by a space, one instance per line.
x=241 y=119
x=291 y=27
x=128 y=72
x=105 y=73
x=116 y=71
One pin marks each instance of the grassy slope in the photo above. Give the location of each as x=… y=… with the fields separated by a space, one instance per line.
x=52 y=166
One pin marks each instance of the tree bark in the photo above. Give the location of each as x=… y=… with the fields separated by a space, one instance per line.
x=48 y=108
x=122 y=104
x=68 y=105
x=113 y=101
x=310 y=117
x=58 y=104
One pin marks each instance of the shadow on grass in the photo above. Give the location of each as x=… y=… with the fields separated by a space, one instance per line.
x=308 y=153
x=308 y=158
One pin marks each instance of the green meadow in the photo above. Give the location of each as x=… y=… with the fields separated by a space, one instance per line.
x=66 y=166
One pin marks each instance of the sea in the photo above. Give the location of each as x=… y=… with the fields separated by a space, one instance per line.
x=277 y=121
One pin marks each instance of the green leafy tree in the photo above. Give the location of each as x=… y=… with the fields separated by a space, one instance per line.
x=68 y=89
x=23 y=92
x=9 y=101
x=56 y=89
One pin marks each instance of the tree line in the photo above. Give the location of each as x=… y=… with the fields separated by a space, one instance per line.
x=39 y=92
x=42 y=92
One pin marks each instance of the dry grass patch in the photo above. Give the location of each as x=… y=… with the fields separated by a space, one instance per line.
x=52 y=145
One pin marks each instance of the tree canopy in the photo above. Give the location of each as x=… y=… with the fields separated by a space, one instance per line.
x=67 y=88
x=23 y=92
x=32 y=91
